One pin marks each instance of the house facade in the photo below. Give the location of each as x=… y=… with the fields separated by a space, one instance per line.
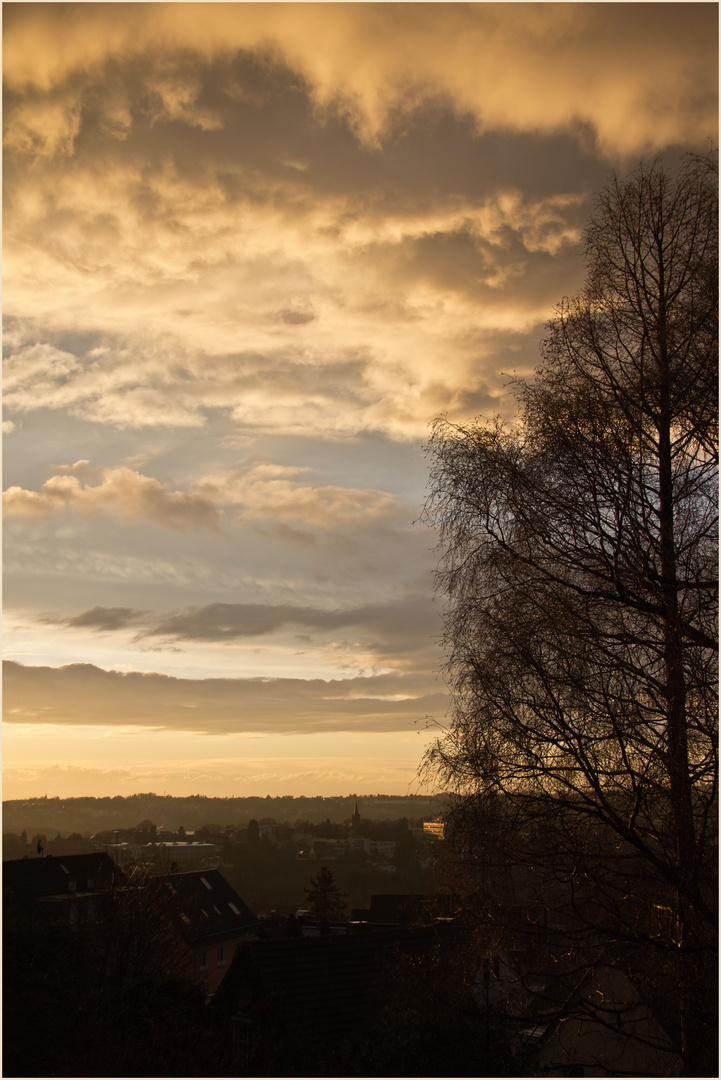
x=213 y=920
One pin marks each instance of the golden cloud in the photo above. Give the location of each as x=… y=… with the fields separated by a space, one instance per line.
x=269 y=492
x=264 y=495
x=641 y=75
x=121 y=492
x=205 y=189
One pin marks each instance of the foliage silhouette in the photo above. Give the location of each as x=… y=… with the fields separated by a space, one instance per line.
x=578 y=554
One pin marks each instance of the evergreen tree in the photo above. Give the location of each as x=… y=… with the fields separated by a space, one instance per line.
x=325 y=900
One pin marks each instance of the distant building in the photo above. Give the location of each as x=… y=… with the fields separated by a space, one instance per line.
x=327 y=849
x=434 y=829
x=336 y=849
x=172 y=850
x=385 y=849
x=355 y=821
x=187 y=852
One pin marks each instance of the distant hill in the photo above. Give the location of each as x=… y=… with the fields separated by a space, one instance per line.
x=89 y=814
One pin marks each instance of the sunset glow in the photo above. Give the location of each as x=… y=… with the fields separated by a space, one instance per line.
x=251 y=251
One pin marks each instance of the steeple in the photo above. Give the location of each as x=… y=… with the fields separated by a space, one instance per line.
x=355 y=819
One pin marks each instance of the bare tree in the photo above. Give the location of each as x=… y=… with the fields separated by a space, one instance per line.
x=578 y=554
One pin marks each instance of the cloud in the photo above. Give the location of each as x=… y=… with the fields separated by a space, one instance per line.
x=86 y=695
x=123 y=386
x=242 y=239
x=408 y=622
x=306 y=774
x=272 y=213
x=399 y=635
x=100 y=618
x=265 y=496
x=267 y=493
x=122 y=493
x=399 y=628
x=639 y=75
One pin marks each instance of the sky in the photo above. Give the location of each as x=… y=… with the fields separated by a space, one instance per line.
x=250 y=253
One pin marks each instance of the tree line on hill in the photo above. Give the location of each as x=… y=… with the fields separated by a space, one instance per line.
x=91 y=814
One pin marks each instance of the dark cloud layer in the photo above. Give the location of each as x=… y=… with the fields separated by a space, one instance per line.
x=401 y=628
x=86 y=695
x=266 y=130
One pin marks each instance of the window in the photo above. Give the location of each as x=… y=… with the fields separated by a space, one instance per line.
x=203 y=961
x=233 y=908
x=221 y=955
x=91 y=883
x=72 y=885
x=206 y=883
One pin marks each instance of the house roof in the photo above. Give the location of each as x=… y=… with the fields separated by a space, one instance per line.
x=205 y=907
x=328 y=987
x=398 y=908
x=34 y=878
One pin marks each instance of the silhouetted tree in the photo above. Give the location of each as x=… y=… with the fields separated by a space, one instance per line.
x=146 y=831
x=326 y=902
x=579 y=557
